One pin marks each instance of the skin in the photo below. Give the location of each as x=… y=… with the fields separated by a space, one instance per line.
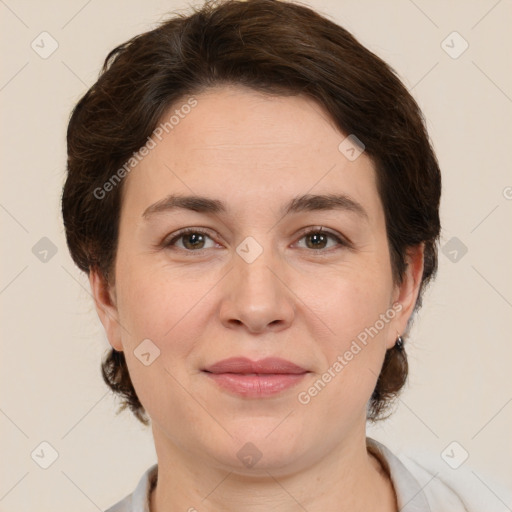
x=298 y=300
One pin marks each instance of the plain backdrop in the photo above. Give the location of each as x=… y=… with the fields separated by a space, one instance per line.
x=460 y=349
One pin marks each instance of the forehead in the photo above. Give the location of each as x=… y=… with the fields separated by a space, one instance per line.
x=251 y=149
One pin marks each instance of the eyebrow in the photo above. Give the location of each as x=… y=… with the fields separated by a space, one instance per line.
x=307 y=202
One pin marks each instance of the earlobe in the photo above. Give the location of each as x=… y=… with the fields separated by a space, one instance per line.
x=106 y=308
x=407 y=292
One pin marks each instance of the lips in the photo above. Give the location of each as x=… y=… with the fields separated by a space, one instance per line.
x=255 y=379
x=242 y=365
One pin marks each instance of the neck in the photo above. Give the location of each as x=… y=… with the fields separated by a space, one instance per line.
x=348 y=478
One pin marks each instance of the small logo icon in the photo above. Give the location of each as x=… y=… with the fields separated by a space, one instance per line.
x=44 y=455
x=249 y=455
x=351 y=147
x=454 y=455
x=147 y=352
x=454 y=45
x=44 y=45
x=44 y=250
x=454 y=249
x=249 y=249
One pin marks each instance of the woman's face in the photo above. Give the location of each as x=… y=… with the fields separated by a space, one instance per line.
x=253 y=283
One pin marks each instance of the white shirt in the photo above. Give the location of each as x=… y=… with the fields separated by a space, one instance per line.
x=417 y=489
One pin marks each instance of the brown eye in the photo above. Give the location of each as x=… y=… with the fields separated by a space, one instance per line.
x=318 y=239
x=192 y=240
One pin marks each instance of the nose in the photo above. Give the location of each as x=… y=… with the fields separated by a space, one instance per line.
x=257 y=295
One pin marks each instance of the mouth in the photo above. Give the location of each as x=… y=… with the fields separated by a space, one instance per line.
x=255 y=379
x=243 y=365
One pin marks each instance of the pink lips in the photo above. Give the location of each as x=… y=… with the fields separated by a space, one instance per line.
x=270 y=365
x=265 y=377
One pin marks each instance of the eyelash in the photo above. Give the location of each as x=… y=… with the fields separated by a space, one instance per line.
x=317 y=230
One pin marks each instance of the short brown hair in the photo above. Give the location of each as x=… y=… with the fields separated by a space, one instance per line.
x=269 y=46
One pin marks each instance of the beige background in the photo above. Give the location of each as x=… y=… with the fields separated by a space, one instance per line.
x=460 y=386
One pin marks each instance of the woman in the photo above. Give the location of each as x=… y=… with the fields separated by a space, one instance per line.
x=256 y=202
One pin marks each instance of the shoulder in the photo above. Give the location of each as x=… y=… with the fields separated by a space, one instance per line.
x=138 y=500
x=474 y=488
x=440 y=495
x=124 y=505
x=441 y=487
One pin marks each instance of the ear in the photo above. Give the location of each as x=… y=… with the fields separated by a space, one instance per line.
x=406 y=293
x=104 y=300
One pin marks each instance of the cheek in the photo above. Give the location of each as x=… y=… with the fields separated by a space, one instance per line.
x=160 y=304
x=350 y=301
x=356 y=314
